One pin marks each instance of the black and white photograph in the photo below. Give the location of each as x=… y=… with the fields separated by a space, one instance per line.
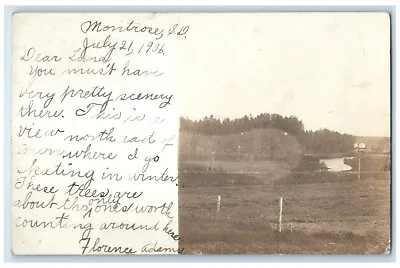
x=285 y=134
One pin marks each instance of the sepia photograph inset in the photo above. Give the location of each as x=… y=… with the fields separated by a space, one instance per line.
x=284 y=143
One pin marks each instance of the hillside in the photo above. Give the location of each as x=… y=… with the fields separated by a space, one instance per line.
x=257 y=145
x=321 y=141
x=375 y=144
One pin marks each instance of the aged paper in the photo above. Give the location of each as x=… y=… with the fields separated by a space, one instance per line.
x=94 y=134
x=274 y=128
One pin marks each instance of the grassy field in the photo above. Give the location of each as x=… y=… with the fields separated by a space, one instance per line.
x=323 y=212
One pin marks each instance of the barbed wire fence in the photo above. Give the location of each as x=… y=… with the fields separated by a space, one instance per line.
x=280 y=225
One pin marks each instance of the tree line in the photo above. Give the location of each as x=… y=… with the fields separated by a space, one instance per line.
x=318 y=142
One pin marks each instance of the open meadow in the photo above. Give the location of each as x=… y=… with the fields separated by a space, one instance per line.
x=323 y=211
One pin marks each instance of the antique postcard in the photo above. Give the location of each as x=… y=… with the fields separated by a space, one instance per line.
x=201 y=133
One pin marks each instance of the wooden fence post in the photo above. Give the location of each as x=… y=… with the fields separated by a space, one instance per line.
x=280 y=214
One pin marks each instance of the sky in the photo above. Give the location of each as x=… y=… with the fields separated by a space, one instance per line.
x=330 y=70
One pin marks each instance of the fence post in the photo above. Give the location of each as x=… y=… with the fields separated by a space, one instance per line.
x=359 y=168
x=280 y=214
x=219 y=203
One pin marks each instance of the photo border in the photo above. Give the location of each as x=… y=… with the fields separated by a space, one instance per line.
x=8 y=257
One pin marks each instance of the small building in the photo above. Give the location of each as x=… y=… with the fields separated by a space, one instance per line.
x=360 y=147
